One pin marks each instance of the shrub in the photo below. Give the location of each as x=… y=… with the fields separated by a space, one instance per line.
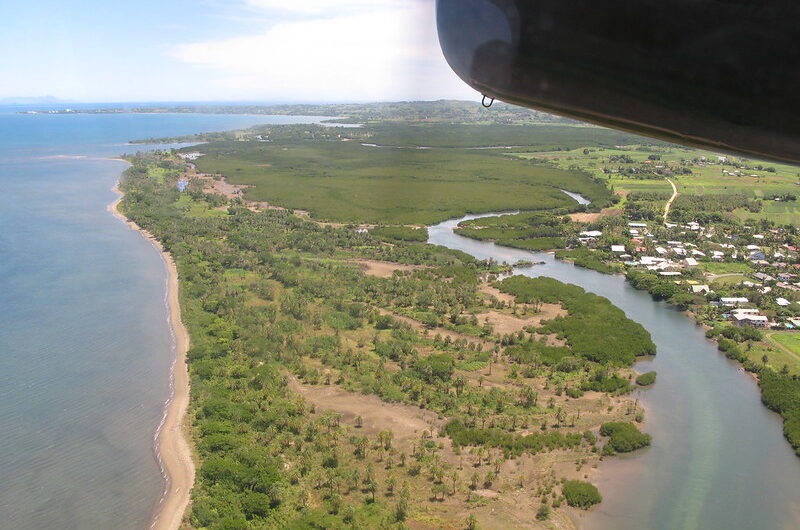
x=403 y=233
x=646 y=379
x=581 y=494
x=624 y=437
x=590 y=316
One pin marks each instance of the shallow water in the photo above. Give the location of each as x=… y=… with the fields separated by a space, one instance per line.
x=718 y=459
x=84 y=345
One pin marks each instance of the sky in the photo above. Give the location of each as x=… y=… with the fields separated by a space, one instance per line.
x=217 y=50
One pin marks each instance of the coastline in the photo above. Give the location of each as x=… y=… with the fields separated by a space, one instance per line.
x=171 y=442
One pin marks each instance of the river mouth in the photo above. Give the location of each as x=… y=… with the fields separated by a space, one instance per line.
x=718 y=459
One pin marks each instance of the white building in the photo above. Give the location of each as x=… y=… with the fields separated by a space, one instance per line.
x=733 y=301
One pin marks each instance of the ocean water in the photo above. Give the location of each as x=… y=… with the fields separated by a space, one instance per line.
x=85 y=349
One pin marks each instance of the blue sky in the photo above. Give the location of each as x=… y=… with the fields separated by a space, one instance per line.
x=214 y=50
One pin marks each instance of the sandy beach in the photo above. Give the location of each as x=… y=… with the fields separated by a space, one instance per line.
x=173 y=451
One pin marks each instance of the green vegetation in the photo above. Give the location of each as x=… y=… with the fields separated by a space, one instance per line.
x=512 y=445
x=282 y=316
x=660 y=288
x=277 y=309
x=348 y=182
x=590 y=316
x=786 y=351
x=725 y=267
x=581 y=494
x=403 y=233
x=624 y=437
x=542 y=137
x=588 y=259
x=529 y=231
x=710 y=208
x=646 y=379
x=781 y=393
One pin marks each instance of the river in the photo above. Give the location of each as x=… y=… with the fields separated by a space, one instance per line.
x=718 y=458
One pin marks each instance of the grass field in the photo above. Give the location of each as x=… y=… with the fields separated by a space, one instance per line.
x=197 y=208
x=781 y=348
x=780 y=212
x=348 y=182
x=728 y=280
x=706 y=177
x=724 y=268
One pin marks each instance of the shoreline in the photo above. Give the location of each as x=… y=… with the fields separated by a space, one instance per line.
x=171 y=443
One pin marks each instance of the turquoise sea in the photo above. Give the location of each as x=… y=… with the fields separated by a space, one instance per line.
x=85 y=349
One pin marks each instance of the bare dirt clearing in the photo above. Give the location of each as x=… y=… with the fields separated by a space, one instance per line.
x=383 y=269
x=594 y=217
x=405 y=421
x=504 y=323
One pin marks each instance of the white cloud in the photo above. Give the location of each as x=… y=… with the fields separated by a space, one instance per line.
x=384 y=53
x=318 y=7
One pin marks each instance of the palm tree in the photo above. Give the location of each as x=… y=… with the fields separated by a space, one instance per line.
x=560 y=415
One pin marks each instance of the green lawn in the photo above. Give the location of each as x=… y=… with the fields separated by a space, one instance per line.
x=780 y=212
x=781 y=348
x=714 y=267
x=728 y=280
x=197 y=209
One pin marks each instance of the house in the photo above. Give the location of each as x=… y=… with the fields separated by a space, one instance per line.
x=734 y=301
x=669 y=273
x=617 y=248
x=757 y=256
x=661 y=250
x=637 y=225
x=763 y=277
x=649 y=260
x=701 y=289
x=591 y=233
x=759 y=321
x=783 y=302
x=691 y=262
x=698 y=253
x=660 y=266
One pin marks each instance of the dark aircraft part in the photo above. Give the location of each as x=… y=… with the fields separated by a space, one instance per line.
x=716 y=74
